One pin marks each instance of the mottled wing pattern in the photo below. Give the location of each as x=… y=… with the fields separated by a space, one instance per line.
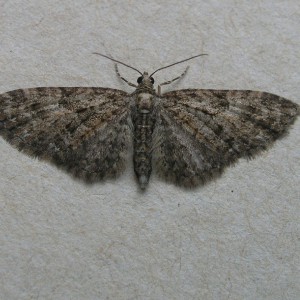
x=81 y=129
x=200 y=132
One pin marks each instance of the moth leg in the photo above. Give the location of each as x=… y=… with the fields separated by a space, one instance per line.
x=122 y=78
x=170 y=81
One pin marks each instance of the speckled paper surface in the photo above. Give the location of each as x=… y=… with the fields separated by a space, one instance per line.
x=235 y=238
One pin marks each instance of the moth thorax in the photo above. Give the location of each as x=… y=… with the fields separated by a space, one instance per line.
x=145 y=102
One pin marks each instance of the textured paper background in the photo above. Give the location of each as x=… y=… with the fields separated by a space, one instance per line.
x=235 y=238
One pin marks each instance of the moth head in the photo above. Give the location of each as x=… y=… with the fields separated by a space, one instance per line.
x=145 y=79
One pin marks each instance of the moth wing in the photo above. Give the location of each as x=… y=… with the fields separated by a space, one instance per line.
x=200 y=132
x=82 y=130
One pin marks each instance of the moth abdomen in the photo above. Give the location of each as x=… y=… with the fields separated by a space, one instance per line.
x=142 y=156
x=143 y=119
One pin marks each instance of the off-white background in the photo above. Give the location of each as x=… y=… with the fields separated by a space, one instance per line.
x=235 y=238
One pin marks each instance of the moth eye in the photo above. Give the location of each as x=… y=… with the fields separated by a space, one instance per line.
x=152 y=80
x=140 y=79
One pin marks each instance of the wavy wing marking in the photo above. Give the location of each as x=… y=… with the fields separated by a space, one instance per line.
x=200 y=132
x=81 y=129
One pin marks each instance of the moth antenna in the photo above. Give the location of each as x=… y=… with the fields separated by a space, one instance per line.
x=179 y=62
x=118 y=62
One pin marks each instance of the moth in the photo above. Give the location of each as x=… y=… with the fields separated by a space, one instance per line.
x=187 y=136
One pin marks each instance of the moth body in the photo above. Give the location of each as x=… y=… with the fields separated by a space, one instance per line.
x=143 y=119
